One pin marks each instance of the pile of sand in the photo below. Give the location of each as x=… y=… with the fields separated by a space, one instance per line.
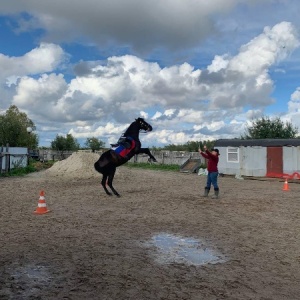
x=79 y=164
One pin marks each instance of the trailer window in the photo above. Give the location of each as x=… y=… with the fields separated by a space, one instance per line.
x=233 y=154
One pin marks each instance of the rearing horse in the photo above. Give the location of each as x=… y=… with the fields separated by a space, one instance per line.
x=128 y=145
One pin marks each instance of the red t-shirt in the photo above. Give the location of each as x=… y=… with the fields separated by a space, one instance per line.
x=212 y=164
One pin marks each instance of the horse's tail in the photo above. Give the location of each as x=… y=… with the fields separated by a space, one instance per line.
x=101 y=164
x=97 y=166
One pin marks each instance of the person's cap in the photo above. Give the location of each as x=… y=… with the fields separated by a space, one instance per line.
x=216 y=150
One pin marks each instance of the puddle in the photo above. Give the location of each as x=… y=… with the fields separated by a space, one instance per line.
x=171 y=248
x=37 y=273
x=26 y=281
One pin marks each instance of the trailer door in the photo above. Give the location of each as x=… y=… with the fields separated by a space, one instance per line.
x=274 y=160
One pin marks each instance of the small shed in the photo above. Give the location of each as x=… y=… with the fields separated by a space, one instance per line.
x=12 y=157
x=259 y=157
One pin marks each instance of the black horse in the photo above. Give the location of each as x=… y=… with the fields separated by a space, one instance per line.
x=128 y=145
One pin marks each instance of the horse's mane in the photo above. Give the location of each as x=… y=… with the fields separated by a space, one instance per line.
x=133 y=125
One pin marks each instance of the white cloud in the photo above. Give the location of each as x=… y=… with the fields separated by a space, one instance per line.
x=219 y=63
x=294 y=103
x=273 y=45
x=44 y=58
x=195 y=103
x=296 y=95
x=157 y=115
x=42 y=97
x=169 y=112
x=293 y=114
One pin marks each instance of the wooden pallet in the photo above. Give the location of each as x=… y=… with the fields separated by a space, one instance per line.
x=192 y=165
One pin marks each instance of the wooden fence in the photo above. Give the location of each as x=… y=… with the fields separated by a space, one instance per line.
x=48 y=154
x=10 y=159
x=163 y=157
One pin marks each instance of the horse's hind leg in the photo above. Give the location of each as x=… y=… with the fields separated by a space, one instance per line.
x=103 y=183
x=110 y=181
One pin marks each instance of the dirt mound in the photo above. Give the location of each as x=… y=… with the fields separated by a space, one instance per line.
x=79 y=164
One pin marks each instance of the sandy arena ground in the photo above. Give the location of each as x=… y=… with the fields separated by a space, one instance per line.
x=92 y=246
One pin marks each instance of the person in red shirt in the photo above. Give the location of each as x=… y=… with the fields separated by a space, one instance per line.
x=212 y=169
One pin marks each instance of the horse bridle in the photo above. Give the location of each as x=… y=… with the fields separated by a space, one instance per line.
x=144 y=125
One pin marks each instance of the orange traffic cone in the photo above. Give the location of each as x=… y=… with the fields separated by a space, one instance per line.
x=42 y=207
x=286 y=186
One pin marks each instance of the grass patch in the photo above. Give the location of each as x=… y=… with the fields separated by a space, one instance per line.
x=159 y=167
x=39 y=166
x=33 y=166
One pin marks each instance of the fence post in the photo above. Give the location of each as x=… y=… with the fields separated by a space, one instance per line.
x=28 y=156
x=1 y=155
x=7 y=159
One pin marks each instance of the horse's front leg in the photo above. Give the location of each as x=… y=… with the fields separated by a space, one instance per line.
x=147 y=151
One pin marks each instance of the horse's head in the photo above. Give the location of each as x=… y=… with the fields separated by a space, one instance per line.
x=143 y=125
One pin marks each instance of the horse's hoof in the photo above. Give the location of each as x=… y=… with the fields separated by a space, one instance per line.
x=150 y=160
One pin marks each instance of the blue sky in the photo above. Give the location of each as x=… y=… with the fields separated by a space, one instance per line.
x=195 y=71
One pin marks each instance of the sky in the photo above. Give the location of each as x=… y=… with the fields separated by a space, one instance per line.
x=195 y=70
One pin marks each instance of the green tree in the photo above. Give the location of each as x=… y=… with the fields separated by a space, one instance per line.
x=209 y=144
x=13 y=129
x=68 y=143
x=94 y=143
x=190 y=146
x=265 y=128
